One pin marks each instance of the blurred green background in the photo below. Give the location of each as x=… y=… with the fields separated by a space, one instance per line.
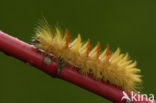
x=128 y=24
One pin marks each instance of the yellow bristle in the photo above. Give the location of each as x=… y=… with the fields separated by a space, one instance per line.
x=103 y=56
x=134 y=70
x=95 y=51
x=117 y=52
x=84 y=50
x=115 y=68
x=57 y=39
x=98 y=51
x=124 y=59
x=76 y=44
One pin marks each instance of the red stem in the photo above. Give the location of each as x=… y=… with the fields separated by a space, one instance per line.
x=27 y=53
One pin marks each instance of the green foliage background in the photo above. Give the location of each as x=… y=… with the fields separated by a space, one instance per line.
x=128 y=24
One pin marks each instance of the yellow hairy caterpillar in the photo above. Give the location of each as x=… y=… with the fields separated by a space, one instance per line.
x=115 y=68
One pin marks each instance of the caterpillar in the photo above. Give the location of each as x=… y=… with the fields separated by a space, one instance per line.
x=113 y=67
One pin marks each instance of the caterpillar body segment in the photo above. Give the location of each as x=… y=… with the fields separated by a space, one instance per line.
x=112 y=67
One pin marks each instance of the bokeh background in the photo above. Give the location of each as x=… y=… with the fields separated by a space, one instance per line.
x=128 y=24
